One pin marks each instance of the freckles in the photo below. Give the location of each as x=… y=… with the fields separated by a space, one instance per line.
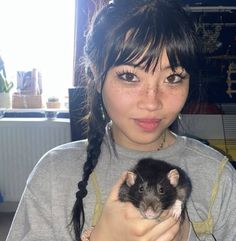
x=126 y=93
x=115 y=99
x=180 y=95
x=176 y=100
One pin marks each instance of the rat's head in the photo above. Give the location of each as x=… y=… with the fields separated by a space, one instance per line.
x=153 y=196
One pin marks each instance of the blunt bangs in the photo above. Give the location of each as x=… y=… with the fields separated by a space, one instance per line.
x=141 y=40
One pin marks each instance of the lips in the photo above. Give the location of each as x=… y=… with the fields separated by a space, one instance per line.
x=148 y=124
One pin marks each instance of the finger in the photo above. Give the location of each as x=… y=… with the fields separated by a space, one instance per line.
x=115 y=190
x=152 y=228
x=141 y=226
x=165 y=230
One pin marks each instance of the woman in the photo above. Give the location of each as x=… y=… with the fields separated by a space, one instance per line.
x=140 y=55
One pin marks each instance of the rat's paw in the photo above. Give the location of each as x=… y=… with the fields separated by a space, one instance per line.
x=176 y=209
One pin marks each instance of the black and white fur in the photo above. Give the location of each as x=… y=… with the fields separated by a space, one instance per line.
x=154 y=186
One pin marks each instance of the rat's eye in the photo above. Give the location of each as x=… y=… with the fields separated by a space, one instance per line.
x=141 y=188
x=161 y=190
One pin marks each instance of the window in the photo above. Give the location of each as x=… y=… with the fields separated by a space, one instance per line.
x=39 y=34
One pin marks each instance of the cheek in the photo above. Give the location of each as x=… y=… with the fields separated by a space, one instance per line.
x=115 y=100
x=177 y=99
x=177 y=102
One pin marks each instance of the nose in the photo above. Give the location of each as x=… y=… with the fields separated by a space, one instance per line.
x=150 y=99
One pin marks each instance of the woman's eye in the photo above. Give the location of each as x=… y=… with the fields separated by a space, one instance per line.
x=174 y=79
x=127 y=76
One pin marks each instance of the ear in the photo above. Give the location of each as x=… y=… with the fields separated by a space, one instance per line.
x=173 y=176
x=130 y=179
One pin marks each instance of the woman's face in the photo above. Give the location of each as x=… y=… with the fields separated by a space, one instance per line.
x=143 y=104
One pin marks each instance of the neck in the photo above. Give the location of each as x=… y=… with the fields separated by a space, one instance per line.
x=164 y=140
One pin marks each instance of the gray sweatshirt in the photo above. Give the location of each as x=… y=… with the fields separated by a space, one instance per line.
x=44 y=212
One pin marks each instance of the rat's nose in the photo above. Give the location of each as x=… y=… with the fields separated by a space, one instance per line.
x=150 y=213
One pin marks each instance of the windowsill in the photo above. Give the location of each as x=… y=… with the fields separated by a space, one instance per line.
x=36 y=110
x=33 y=113
x=33 y=120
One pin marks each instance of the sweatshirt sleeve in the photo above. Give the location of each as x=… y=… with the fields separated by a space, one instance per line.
x=222 y=213
x=224 y=209
x=33 y=218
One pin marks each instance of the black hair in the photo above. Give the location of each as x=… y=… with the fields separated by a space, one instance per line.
x=124 y=32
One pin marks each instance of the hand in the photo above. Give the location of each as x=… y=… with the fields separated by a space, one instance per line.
x=178 y=232
x=121 y=221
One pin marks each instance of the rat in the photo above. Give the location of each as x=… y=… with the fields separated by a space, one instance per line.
x=154 y=186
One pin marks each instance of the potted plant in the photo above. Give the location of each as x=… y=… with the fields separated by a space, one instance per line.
x=5 y=87
x=53 y=102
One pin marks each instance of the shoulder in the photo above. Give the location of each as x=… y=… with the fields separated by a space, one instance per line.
x=205 y=160
x=69 y=150
x=66 y=160
x=201 y=149
x=67 y=153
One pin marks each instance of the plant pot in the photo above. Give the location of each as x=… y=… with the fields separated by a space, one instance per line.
x=5 y=100
x=53 y=105
x=26 y=101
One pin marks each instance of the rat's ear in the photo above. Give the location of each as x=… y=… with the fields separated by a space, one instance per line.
x=173 y=176
x=130 y=179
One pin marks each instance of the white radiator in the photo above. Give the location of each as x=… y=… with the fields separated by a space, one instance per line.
x=22 y=143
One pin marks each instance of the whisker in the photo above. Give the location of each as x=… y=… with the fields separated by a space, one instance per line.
x=132 y=198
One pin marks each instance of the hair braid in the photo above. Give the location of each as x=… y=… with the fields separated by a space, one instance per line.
x=96 y=130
